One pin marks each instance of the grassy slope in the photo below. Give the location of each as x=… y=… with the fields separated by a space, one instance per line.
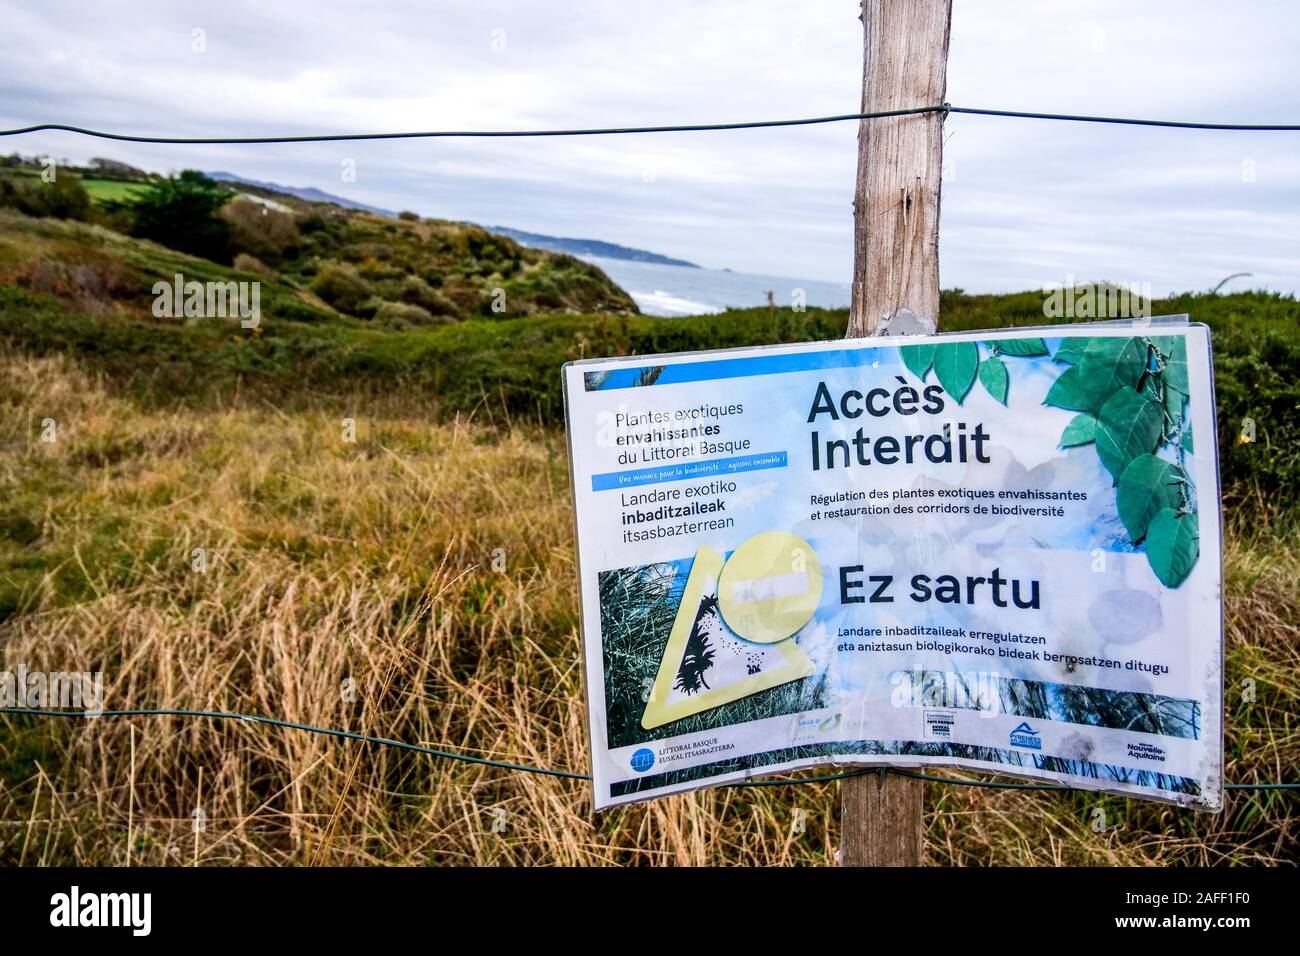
x=455 y=270
x=463 y=263
x=369 y=561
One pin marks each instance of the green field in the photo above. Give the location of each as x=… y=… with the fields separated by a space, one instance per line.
x=112 y=190
x=101 y=190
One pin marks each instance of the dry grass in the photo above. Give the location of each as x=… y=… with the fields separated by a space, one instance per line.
x=371 y=562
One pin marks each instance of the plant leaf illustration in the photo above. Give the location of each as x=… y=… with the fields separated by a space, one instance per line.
x=954 y=365
x=1174 y=349
x=1071 y=350
x=993 y=376
x=917 y=358
x=1128 y=425
x=1021 y=346
x=1173 y=544
x=1108 y=365
x=1081 y=430
x=1067 y=392
x=1148 y=486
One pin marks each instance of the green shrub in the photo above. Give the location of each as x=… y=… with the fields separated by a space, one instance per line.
x=291 y=309
x=404 y=315
x=414 y=290
x=260 y=231
x=62 y=198
x=342 y=287
x=180 y=213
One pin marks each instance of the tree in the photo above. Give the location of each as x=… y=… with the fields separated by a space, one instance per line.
x=180 y=213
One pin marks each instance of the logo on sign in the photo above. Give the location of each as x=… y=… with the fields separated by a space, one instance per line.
x=643 y=760
x=1026 y=736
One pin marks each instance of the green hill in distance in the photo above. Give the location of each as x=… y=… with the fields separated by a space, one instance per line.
x=319 y=259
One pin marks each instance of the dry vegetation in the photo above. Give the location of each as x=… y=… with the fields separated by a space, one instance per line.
x=371 y=561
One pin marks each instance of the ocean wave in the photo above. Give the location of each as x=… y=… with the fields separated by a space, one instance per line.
x=660 y=302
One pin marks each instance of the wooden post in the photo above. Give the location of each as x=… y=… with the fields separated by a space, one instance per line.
x=895 y=268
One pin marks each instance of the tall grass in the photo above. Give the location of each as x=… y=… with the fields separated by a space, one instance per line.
x=334 y=565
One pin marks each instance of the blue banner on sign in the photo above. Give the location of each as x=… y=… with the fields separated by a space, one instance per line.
x=695 y=469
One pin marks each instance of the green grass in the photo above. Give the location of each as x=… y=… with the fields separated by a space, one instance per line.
x=372 y=560
x=113 y=190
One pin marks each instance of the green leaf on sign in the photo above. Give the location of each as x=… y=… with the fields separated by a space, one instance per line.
x=1128 y=425
x=1187 y=442
x=917 y=358
x=1067 y=392
x=1148 y=486
x=1081 y=430
x=954 y=365
x=1174 y=350
x=1071 y=349
x=993 y=376
x=1174 y=400
x=1173 y=543
x=1020 y=346
x=1108 y=365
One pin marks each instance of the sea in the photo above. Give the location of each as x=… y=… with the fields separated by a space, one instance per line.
x=680 y=290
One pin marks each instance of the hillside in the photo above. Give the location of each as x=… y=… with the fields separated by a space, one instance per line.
x=575 y=247
x=309 y=193
x=316 y=260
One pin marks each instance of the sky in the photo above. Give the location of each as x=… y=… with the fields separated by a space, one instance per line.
x=1025 y=203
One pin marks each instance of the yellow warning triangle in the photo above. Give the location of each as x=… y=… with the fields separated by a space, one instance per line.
x=660 y=709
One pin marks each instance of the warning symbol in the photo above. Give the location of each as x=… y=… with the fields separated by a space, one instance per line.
x=707 y=662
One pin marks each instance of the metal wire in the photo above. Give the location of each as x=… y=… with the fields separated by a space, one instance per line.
x=672 y=128
x=547 y=771
x=481 y=133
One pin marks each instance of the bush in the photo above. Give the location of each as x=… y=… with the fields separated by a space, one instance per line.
x=62 y=198
x=415 y=291
x=403 y=315
x=246 y=263
x=368 y=308
x=90 y=279
x=342 y=287
x=180 y=213
x=260 y=230
x=290 y=309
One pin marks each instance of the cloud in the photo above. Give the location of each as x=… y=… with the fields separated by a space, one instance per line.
x=1024 y=202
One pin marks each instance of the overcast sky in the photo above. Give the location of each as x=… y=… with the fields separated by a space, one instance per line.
x=1025 y=202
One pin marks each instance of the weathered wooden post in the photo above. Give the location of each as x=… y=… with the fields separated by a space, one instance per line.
x=896 y=268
